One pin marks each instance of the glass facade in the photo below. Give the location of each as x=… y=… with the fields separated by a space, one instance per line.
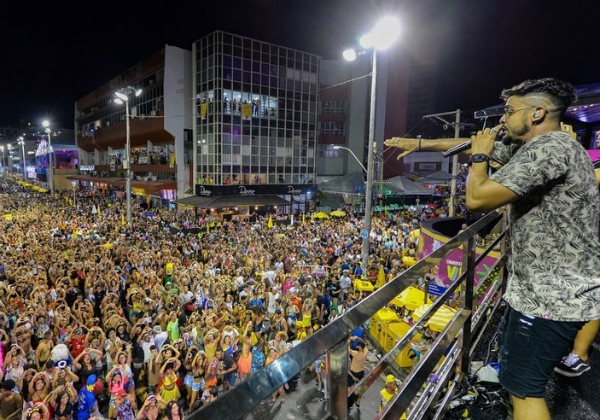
x=256 y=111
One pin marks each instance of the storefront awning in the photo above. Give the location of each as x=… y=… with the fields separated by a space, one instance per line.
x=226 y=202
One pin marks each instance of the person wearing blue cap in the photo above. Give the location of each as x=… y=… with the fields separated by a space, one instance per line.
x=86 y=399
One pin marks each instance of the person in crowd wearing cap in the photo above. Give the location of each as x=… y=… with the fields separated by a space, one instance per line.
x=11 y=403
x=160 y=336
x=301 y=333
x=390 y=389
x=86 y=399
x=357 y=367
x=125 y=404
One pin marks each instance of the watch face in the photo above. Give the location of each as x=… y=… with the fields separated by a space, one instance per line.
x=480 y=157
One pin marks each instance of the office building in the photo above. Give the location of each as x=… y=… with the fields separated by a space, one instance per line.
x=161 y=130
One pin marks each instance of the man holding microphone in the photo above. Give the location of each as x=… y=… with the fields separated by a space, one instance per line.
x=554 y=282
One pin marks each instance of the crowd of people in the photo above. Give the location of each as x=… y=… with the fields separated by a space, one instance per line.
x=143 y=321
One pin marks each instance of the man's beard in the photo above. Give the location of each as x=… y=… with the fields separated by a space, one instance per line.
x=516 y=135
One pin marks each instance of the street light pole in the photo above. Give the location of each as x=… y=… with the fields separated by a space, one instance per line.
x=383 y=35
x=127 y=151
x=49 y=172
x=122 y=96
x=22 y=143
x=4 y=167
x=74 y=184
x=9 y=160
x=370 y=166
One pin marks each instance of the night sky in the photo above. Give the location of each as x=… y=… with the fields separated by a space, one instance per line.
x=55 y=52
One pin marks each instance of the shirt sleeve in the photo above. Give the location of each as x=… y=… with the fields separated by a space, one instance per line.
x=537 y=164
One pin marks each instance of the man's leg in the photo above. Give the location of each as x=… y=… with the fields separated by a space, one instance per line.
x=529 y=408
x=530 y=348
x=584 y=339
x=576 y=363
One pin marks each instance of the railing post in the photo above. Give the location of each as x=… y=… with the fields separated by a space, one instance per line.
x=469 y=259
x=337 y=381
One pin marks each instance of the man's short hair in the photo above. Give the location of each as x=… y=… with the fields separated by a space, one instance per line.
x=560 y=94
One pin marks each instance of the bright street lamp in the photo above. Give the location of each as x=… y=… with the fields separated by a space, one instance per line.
x=49 y=172
x=122 y=96
x=383 y=35
x=22 y=143
x=353 y=155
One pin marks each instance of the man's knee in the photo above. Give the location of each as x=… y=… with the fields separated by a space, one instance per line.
x=529 y=408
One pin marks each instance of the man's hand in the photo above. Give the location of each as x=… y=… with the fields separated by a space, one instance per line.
x=408 y=145
x=484 y=141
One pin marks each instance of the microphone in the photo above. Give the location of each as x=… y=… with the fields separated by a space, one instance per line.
x=467 y=145
x=457 y=149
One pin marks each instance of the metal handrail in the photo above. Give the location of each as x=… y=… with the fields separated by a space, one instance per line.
x=332 y=339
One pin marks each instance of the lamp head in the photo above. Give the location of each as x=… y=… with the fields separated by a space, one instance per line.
x=46 y=123
x=138 y=92
x=385 y=33
x=121 y=96
x=349 y=54
x=336 y=147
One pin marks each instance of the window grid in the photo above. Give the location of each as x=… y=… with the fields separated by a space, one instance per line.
x=269 y=104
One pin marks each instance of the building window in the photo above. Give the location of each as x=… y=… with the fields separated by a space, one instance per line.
x=333 y=107
x=332 y=129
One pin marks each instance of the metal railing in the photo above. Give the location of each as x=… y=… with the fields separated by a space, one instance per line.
x=419 y=396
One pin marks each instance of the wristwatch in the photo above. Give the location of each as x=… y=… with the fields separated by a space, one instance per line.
x=479 y=158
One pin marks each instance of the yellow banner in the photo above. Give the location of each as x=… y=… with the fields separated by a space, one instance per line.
x=246 y=110
x=8 y=217
x=203 y=108
x=139 y=191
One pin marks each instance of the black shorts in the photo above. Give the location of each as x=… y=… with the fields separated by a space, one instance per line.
x=530 y=348
x=358 y=375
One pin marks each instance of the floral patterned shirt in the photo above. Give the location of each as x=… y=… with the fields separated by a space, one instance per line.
x=555 y=262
